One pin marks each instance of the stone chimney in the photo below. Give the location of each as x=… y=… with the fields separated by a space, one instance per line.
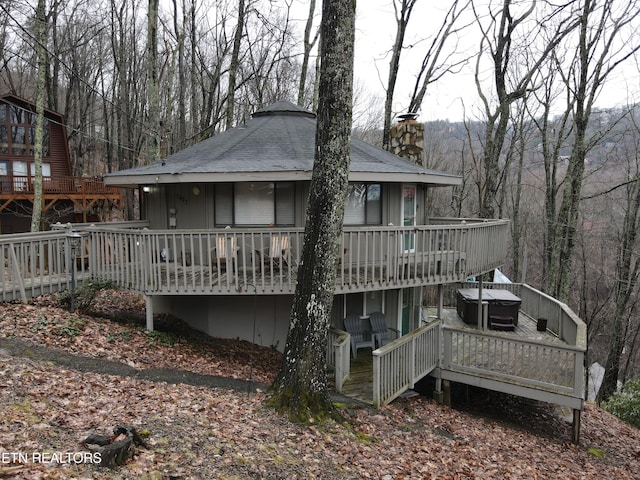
x=407 y=138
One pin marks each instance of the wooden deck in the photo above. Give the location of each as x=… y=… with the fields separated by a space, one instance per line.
x=526 y=329
x=360 y=382
x=524 y=361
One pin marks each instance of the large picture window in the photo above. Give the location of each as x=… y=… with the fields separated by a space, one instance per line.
x=255 y=204
x=17 y=131
x=363 y=205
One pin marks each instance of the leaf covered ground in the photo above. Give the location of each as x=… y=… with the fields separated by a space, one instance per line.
x=200 y=432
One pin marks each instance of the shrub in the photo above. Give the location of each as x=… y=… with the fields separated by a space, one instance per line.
x=85 y=294
x=625 y=404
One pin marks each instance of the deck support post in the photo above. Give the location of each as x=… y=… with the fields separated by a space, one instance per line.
x=438 y=394
x=575 y=437
x=446 y=391
x=440 y=300
x=149 y=311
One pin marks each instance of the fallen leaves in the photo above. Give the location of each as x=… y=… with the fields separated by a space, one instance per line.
x=197 y=432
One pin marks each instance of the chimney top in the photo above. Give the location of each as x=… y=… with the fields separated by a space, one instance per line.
x=408 y=116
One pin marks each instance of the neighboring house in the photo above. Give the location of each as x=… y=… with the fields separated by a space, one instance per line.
x=65 y=197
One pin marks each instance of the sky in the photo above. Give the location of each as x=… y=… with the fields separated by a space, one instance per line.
x=375 y=32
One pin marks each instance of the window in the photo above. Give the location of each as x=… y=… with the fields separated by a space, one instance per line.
x=363 y=303
x=4 y=139
x=255 y=204
x=46 y=169
x=363 y=205
x=17 y=131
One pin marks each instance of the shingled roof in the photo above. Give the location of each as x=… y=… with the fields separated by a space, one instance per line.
x=276 y=144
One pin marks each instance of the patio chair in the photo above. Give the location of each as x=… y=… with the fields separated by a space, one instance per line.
x=224 y=254
x=360 y=338
x=382 y=334
x=278 y=254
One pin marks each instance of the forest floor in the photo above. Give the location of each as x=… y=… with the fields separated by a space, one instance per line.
x=199 y=403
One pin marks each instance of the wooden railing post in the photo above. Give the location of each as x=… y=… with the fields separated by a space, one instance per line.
x=17 y=272
x=377 y=387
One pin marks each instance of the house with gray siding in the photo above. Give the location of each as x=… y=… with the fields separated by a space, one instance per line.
x=221 y=244
x=256 y=178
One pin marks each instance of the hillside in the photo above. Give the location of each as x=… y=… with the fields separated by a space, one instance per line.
x=200 y=432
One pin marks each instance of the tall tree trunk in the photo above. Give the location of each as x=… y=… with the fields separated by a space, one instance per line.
x=193 y=111
x=182 y=80
x=402 y=19
x=235 y=64
x=301 y=386
x=308 y=45
x=41 y=48
x=153 y=89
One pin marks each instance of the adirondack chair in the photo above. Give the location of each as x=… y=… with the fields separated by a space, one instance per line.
x=382 y=334
x=278 y=254
x=360 y=338
x=224 y=254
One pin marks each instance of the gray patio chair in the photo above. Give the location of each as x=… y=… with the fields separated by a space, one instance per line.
x=360 y=338
x=382 y=334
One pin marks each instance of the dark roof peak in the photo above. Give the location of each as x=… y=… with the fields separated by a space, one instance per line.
x=283 y=107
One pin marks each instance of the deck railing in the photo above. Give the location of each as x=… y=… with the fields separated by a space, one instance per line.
x=524 y=362
x=24 y=184
x=228 y=261
x=34 y=264
x=551 y=367
x=401 y=363
x=338 y=356
x=561 y=320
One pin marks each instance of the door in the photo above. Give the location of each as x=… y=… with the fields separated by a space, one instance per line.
x=406 y=303
x=409 y=216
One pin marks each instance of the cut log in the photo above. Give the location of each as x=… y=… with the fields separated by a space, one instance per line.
x=115 y=450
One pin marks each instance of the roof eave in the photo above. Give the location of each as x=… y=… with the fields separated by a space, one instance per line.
x=134 y=180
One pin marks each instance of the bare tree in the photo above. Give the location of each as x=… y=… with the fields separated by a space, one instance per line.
x=235 y=63
x=437 y=62
x=627 y=276
x=301 y=386
x=597 y=54
x=499 y=37
x=40 y=37
x=403 y=14
x=308 y=46
x=153 y=94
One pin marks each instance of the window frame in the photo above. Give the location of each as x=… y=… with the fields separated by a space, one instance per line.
x=231 y=205
x=368 y=221
x=19 y=121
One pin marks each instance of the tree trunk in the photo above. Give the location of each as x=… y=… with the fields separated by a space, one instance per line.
x=235 y=64
x=308 y=45
x=41 y=44
x=301 y=386
x=627 y=270
x=402 y=19
x=153 y=90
